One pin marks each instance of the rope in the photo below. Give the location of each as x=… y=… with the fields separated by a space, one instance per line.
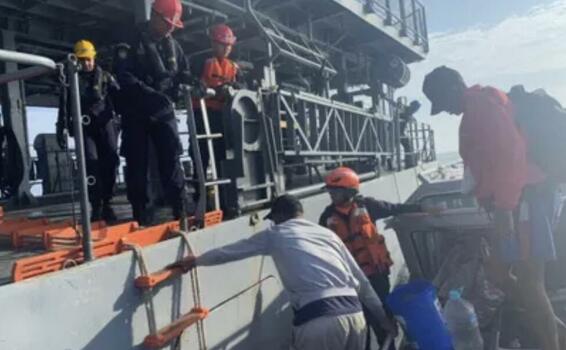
x=70 y=263
x=195 y=288
x=147 y=293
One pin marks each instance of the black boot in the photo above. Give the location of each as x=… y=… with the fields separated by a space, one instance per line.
x=96 y=213
x=108 y=213
x=184 y=205
x=142 y=215
x=179 y=210
x=190 y=205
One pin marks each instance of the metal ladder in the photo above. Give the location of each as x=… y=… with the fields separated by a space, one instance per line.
x=202 y=182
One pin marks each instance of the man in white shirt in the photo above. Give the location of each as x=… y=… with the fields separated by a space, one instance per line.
x=326 y=286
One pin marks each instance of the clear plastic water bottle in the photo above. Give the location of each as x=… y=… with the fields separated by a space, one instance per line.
x=462 y=323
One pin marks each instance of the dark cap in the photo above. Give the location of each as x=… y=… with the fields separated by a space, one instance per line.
x=286 y=205
x=436 y=84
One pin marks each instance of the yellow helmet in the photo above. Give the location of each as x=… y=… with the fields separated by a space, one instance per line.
x=85 y=49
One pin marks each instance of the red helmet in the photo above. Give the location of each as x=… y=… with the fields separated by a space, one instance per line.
x=170 y=10
x=223 y=34
x=343 y=178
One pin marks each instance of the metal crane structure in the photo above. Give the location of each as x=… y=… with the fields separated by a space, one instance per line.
x=320 y=84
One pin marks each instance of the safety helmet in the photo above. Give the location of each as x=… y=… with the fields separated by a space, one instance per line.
x=85 y=49
x=223 y=34
x=343 y=178
x=170 y=10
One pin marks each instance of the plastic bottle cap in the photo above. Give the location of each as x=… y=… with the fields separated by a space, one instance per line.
x=455 y=294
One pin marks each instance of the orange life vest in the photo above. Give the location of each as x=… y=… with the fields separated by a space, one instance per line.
x=355 y=228
x=216 y=73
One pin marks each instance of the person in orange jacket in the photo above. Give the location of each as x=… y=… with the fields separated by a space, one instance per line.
x=219 y=73
x=352 y=217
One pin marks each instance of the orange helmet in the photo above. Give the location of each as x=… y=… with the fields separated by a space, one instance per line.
x=343 y=178
x=223 y=34
x=170 y=10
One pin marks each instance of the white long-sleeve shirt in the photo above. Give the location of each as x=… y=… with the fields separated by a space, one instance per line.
x=312 y=261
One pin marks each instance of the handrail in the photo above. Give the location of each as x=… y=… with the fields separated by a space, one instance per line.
x=41 y=65
x=23 y=74
x=26 y=58
x=407 y=9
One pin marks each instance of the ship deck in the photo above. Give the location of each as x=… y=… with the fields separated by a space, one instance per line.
x=56 y=209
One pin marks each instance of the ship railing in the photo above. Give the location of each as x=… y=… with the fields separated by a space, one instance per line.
x=39 y=66
x=54 y=180
x=418 y=143
x=312 y=126
x=68 y=74
x=408 y=16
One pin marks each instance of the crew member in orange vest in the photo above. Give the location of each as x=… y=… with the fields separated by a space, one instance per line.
x=219 y=73
x=352 y=217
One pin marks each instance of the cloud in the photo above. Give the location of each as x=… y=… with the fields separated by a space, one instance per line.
x=524 y=49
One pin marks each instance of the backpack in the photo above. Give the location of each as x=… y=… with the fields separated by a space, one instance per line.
x=542 y=119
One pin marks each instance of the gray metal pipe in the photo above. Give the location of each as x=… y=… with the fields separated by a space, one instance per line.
x=26 y=58
x=306 y=191
x=255 y=16
x=297 y=46
x=255 y=205
x=73 y=76
x=232 y=6
x=335 y=153
x=397 y=136
x=340 y=106
x=305 y=61
x=197 y=159
x=242 y=10
x=315 y=189
x=205 y=9
x=24 y=74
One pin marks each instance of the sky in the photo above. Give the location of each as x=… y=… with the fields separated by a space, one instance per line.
x=499 y=43
x=457 y=15
x=492 y=42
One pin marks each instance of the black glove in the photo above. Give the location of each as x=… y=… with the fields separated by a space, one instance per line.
x=96 y=111
x=237 y=85
x=61 y=136
x=199 y=88
x=186 y=78
x=224 y=91
x=163 y=85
